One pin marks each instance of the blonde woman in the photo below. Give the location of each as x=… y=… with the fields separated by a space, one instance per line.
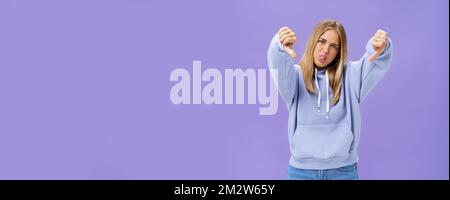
x=323 y=93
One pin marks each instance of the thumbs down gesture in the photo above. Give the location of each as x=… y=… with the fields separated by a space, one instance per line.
x=379 y=42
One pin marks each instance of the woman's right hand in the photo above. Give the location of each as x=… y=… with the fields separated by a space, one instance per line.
x=288 y=39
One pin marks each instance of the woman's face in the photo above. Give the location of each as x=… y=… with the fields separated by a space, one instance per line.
x=326 y=49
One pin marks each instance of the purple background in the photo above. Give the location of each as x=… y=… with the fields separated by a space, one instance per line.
x=84 y=88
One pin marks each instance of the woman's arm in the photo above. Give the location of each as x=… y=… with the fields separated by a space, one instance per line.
x=371 y=68
x=281 y=64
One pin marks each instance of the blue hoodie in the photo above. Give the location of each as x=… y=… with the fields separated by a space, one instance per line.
x=322 y=135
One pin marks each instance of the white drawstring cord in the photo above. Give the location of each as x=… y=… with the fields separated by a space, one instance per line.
x=319 y=94
x=328 y=101
x=318 y=90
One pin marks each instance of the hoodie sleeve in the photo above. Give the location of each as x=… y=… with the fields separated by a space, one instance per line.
x=365 y=74
x=280 y=61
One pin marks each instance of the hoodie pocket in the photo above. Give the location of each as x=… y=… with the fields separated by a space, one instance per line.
x=322 y=141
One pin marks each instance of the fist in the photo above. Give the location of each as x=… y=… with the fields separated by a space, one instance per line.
x=379 y=42
x=288 y=39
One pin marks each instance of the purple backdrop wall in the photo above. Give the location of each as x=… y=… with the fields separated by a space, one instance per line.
x=84 y=88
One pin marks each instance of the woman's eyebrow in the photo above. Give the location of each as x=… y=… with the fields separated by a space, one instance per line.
x=321 y=38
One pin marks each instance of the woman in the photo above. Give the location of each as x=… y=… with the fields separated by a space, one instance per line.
x=323 y=94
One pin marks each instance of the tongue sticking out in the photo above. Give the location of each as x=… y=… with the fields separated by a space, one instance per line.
x=322 y=58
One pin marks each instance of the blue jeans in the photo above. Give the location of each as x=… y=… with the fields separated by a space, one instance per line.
x=349 y=172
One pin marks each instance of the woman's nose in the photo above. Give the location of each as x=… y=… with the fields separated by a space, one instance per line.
x=325 y=48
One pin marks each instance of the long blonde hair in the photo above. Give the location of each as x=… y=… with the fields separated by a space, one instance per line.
x=336 y=67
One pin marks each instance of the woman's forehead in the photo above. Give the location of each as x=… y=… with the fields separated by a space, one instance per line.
x=331 y=36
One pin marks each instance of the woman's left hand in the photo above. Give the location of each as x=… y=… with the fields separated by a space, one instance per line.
x=379 y=42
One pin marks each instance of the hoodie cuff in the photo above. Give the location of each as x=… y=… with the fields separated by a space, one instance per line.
x=276 y=40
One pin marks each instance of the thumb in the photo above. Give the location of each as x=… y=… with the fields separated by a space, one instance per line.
x=288 y=49
x=375 y=54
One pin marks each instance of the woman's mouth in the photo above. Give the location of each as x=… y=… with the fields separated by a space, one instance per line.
x=322 y=58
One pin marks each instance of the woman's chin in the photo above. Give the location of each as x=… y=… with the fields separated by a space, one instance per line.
x=320 y=65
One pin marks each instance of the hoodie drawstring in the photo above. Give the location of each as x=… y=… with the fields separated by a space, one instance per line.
x=319 y=94
x=318 y=89
x=328 y=101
